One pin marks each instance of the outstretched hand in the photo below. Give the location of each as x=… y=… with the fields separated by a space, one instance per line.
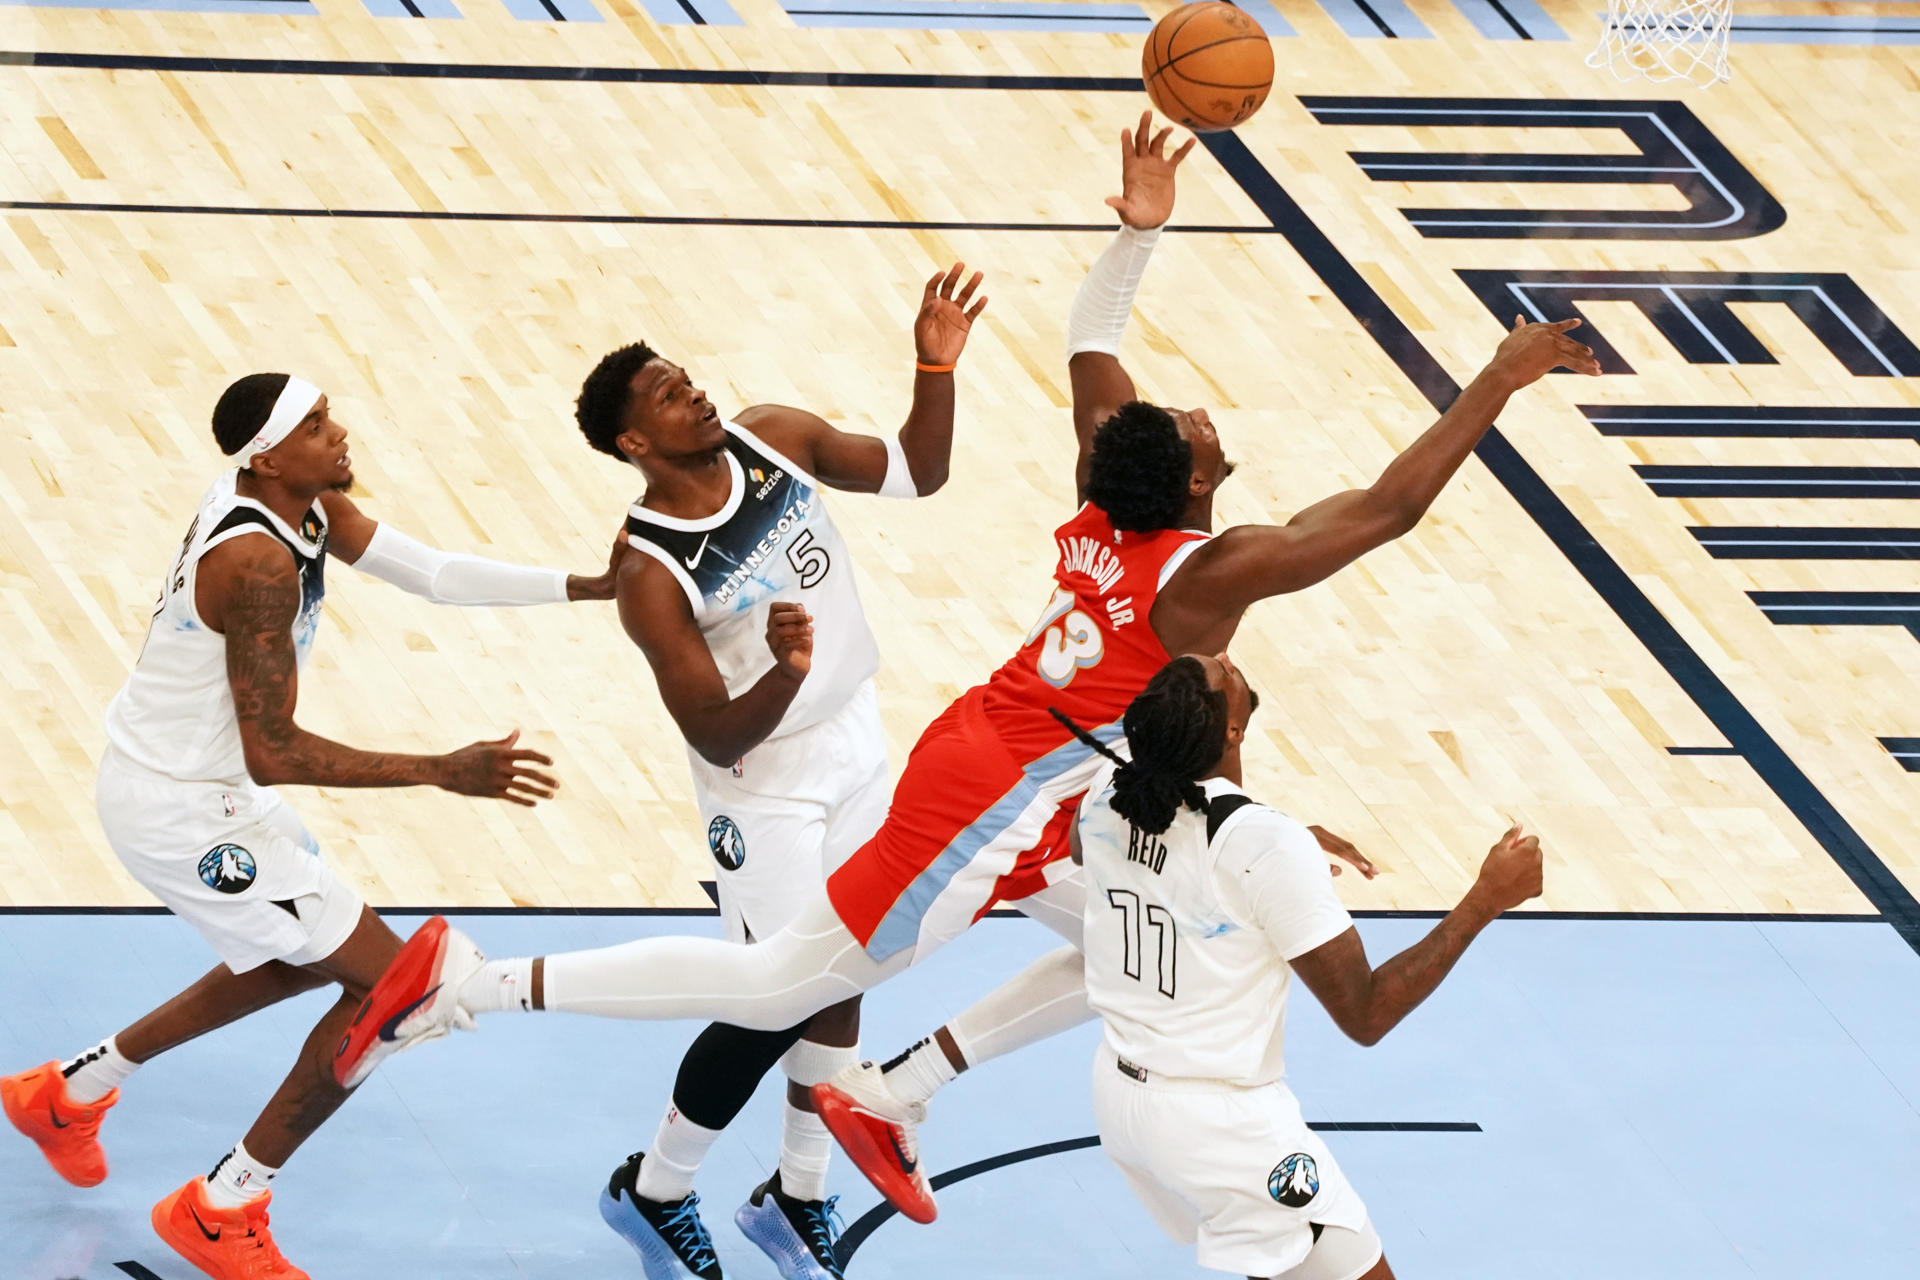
x=498 y=769
x=1146 y=175
x=1531 y=351
x=940 y=330
x=1343 y=849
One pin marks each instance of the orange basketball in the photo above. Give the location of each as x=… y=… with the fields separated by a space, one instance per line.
x=1207 y=66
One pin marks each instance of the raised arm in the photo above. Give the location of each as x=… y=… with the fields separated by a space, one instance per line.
x=1251 y=562
x=915 y=462
x=1365 y=1002
x=248 y=590
x=655 y=612
x=1105 y=298
x=446 y=577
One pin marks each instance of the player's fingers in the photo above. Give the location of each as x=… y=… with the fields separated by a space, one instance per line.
x=1561 y=326
x=509 y=740
x=529 y=786
x=1158 y=147
x=1519 y=323
x=530 y=757
x=977 y=308
x=954 y=273
x=510 y=798
x=1143 y=133
x=524 y=771
x=1116 y=202
x=1185 y=147
x=966 y=293
x=1334 y=868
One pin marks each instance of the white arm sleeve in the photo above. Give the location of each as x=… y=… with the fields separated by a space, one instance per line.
x=899 y=481
x=1105 y=298
x=446 y=578
x=1272 y=870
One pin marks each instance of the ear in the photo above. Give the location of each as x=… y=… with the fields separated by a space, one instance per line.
x=632 y=444
x=1198 y=485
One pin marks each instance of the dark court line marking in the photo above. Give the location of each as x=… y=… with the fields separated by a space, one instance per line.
x=1589 y=558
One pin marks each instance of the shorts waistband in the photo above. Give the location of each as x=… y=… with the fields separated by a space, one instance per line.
x=113 y=757
x=1159 y=1080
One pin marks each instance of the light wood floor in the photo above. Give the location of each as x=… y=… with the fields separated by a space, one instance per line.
x=1416 y=703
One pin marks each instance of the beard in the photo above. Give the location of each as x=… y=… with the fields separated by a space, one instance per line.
x=343 y=485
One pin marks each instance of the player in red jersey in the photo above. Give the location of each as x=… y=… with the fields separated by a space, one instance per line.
x=982 y=809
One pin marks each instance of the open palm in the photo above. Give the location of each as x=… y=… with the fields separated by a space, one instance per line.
x=1146 y=175
x=940 y=330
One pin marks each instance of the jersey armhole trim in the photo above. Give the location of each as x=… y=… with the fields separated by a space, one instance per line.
x=1178 y=558
x=679 y=575
x=755 y=442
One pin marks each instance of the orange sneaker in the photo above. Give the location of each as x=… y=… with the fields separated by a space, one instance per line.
x=227 y=1244
x=67 y=1132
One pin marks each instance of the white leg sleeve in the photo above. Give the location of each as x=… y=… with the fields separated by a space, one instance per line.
x=1047 y=997
x=768 y=986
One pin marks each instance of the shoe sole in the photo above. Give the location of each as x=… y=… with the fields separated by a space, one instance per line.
x=841 y=1117
x=410 y=980
x=785 y=1256
x=25 y=1120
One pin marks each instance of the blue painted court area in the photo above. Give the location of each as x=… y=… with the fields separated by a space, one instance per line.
x=1654 y=1098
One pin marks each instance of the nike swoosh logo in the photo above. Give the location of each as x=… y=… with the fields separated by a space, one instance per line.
x=54 y=1116
x=906 y=1165
x=389 y=1030
x=694 y=559
x=195 y=1215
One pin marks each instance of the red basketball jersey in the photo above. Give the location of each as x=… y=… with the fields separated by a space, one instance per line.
x=1093 y=649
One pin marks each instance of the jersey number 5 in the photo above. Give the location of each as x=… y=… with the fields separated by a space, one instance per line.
x=809 y=559
x=1167 y=939
x=1069 y=640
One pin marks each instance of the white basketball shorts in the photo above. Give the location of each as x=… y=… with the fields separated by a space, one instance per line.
x=231 y=860
x=1234 y=1171
x=790 y=812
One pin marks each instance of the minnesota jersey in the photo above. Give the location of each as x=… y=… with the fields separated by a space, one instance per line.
x=1093 y=650
x=175 y=716
x=1188 y=933
x=771 y=540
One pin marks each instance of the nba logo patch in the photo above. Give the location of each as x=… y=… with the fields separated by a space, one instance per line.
x=1294 y=1181
x=728 y=845
x=228 y=868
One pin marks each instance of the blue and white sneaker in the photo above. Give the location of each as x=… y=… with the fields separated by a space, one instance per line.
x=801 y=1236
x=672 y=1242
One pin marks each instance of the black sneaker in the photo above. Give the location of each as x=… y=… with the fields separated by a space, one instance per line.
x=801 y=1236
x=672 y=1242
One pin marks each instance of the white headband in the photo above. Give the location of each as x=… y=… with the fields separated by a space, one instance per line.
x=296 y=401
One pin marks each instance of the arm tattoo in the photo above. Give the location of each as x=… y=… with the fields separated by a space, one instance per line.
x=265 y=679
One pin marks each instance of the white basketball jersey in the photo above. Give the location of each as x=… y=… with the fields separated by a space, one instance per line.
x=1189 y=982
x=175 y=713
x=771 y=540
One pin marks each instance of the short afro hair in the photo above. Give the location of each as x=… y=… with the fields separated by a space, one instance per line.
x=245 y=407
x=601 y=409
x=1139 y=469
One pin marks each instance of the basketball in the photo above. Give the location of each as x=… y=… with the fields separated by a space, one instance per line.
x=1207 y=66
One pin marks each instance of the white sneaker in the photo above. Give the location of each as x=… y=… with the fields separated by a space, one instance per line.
x=416 y=999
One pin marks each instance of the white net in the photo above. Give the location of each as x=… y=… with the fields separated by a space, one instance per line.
x=1665 y=40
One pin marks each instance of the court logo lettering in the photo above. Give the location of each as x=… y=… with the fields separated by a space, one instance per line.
x=1294 y=1181
x=228 y=868
x=728 y=845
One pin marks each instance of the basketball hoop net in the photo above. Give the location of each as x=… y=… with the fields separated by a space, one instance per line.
x=1665 y=40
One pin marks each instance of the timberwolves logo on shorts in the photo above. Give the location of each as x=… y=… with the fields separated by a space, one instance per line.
x=228 y=868
x=728 y=845
x=1294 y=1181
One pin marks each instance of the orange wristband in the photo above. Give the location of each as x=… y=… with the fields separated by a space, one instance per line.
x=933 y=368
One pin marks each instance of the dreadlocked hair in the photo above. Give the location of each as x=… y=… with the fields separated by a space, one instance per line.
x=1177 y=730
x=1139 y=468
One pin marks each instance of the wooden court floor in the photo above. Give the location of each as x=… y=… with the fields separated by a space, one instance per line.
x=448 y=254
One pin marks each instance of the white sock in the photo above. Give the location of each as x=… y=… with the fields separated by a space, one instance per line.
x=679 y=1147
x=499 y=986
x=920 y=1072
x=238 y=1178
x=805 y=1150
x=97 y=1072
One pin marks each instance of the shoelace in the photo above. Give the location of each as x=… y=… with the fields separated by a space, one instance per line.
x=263 y=1257
x=824 y=1228
x=689 y=1235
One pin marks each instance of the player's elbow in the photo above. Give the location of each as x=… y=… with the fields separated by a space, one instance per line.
x=717 y=750
x=930 y=480
x=268 y=761
x=1395 y=515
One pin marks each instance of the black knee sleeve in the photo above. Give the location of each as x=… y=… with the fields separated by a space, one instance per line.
x=722 y=1068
